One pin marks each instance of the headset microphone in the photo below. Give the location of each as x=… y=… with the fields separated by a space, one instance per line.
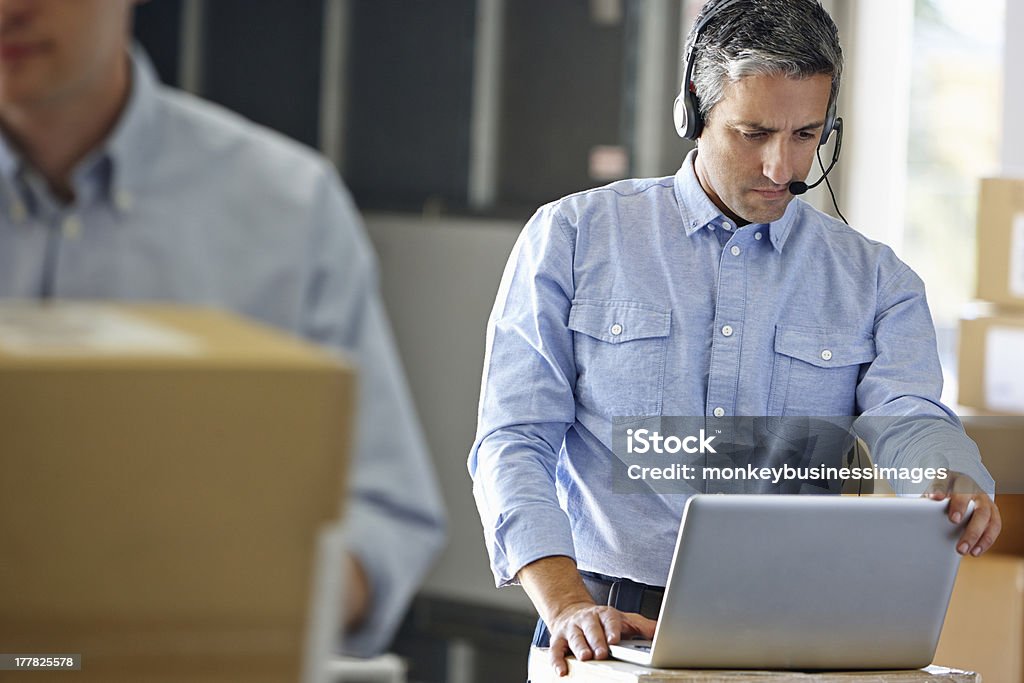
x=798 y=187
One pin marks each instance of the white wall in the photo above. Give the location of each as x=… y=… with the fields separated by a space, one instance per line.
x=439 y=278
x=875 y=102
x=1012 y=156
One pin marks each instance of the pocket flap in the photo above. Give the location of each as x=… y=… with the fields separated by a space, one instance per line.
x=825 y=349
x=618 y=321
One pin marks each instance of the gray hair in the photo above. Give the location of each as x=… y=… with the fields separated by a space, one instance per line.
x=793 y=38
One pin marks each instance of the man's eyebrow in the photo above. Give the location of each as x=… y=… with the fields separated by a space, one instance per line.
x=760 y=128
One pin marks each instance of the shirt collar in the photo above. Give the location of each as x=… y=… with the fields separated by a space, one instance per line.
x=132 y=145
x=698 y=211
x=119 y=162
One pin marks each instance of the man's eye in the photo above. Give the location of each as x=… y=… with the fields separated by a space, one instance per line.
x=752 y=136
x=806 y=135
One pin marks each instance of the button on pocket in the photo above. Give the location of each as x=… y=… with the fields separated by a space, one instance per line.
x=620 y=349
x=816 y=371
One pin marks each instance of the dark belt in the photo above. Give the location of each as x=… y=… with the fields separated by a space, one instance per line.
x=622 y=594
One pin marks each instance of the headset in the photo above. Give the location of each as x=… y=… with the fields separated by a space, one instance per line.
x=686 y=109
x=689 y=123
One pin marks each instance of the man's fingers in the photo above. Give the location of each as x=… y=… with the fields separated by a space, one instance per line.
x=995 y=525
x=611 y=620
x=638 y=625
x=578 y=643
x=958 y=508
x=588 y=632
x=556 y=652
x=593 y=629
x=975 y=528
x=986 y=533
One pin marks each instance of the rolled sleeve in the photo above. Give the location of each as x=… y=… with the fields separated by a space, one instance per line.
x=903 y=421
x=526 y=402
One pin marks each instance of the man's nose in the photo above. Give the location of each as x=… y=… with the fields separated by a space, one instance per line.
x=777 y=164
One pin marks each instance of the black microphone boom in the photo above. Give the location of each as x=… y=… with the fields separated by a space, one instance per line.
x=798 y=187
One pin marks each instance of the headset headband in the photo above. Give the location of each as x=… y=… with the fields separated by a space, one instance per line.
x=686 y=110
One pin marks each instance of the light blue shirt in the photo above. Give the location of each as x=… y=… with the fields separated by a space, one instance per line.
x=641 y=299
x=190 y=203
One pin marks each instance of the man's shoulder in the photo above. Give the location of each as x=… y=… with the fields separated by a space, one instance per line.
x=614 y=191
x=205 y=132
x=825 y=238
x=632 y=196
x=831 y=231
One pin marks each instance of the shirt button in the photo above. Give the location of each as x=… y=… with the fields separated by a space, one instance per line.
x=727 y=225
x=72 y=227
x=735 y=251
x=719 y=412
x=18 y=212
x=712 y=226
x=826 y=355
x=123 y=200
x=727 y=330
x=616 y=329
x=757 y=235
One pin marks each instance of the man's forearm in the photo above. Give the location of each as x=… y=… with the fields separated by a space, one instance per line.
x=553 y=583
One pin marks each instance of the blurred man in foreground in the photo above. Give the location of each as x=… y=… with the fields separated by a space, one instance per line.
x=115 y=187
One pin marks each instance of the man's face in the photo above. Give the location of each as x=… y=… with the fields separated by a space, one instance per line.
x=760 y=137
x=51 y=50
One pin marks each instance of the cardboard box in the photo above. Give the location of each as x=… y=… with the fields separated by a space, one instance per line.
x=991 y=369
x=1000 y=236
x=984 y=627
x=1000 y=440
x=165 y=472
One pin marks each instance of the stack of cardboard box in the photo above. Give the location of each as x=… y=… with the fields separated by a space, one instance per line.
x=992 y=337
x=985 y=623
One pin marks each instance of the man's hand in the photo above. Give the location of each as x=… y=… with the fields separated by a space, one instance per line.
x=576 y=624
x=983 y=529
x=355 y=597
x=587 y=630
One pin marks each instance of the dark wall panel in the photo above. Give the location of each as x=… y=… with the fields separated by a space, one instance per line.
x=562 y=94
x=157 y=29
x=409 y=101
x=262 y=59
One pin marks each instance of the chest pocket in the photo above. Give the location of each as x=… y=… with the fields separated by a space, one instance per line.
x=816 y=371
x=620 y=349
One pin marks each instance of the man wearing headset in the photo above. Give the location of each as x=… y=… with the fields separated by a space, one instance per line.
x=712 y=293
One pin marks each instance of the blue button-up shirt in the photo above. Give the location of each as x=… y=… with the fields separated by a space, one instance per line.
x=641 y=299
x=190 y=203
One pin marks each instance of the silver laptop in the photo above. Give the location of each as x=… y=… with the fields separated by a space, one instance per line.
x=804 y=582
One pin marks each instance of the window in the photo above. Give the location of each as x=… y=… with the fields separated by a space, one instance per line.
x=953 y=140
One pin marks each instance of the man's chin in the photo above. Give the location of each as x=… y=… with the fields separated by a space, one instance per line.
x=761 y=214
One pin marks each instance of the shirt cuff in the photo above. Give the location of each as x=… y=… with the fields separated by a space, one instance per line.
x=526 y=534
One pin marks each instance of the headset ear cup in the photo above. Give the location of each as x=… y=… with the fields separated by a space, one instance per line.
x=686 y=116
x=830 y=125
x=679 y=116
